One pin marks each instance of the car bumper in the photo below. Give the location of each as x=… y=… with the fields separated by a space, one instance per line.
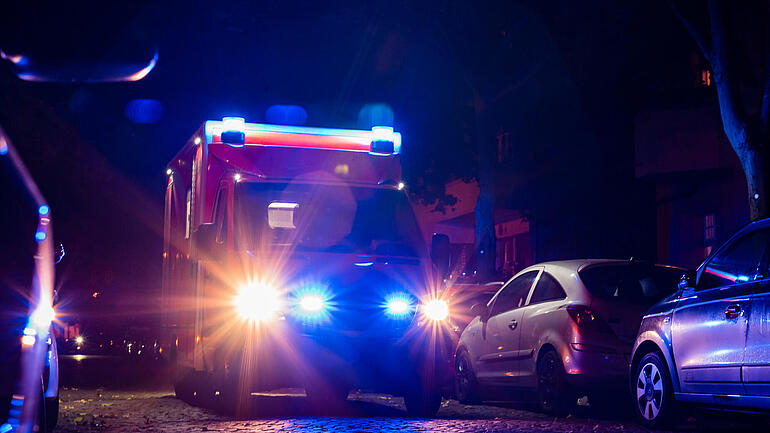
x=368 y=361
x=597 y=367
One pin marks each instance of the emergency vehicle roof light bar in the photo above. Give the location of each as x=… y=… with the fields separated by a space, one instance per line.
x=381 y=140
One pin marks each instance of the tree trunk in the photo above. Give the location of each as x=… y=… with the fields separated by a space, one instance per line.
x=745 y=139
x=747 y=134
x=484 y=242
x=754 y=162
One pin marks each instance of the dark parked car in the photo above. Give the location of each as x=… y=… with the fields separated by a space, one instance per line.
x=708 y=342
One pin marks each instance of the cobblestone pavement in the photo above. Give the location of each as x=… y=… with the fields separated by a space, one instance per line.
x=103 y=410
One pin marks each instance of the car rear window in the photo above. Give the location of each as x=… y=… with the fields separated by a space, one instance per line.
x=631 y=283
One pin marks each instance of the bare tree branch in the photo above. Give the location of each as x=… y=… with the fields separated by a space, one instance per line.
x=704 y=43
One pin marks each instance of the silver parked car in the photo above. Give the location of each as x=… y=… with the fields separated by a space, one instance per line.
x=709 y=342
x=556 y=328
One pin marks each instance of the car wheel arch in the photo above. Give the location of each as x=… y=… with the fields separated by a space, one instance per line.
x=545 y=347
x=650 y=346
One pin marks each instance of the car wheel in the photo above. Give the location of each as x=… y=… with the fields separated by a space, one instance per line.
x=422 y=403
x=652 y=391
x=466 y=385
x=554 y=395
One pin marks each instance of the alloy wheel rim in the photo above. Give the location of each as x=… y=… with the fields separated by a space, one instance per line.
x=649 y=391
x=462 y=376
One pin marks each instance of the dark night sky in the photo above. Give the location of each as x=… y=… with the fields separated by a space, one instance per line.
x=104 y=175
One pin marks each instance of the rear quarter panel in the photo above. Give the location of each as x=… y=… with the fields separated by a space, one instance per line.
x=544 y=324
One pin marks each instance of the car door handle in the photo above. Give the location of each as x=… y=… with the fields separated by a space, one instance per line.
x=513 y=324
x=733 y=311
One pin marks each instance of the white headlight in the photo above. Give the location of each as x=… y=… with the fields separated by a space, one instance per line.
x=436 y=309
x=259 y=302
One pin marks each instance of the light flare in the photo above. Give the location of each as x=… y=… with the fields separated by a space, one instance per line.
x=259 y=302
x=436 y=309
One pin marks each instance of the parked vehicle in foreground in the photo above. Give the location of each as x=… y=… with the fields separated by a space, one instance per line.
x=707 y=343
x=29 y=362
x=556 y=328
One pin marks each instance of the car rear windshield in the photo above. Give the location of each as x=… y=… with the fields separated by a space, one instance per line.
x=631 y=283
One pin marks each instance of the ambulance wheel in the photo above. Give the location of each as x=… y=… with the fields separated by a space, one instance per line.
x=422 y=402
x=192 y=387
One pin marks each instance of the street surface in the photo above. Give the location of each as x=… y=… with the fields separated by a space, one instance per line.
x=136 y=399
x=104 y=410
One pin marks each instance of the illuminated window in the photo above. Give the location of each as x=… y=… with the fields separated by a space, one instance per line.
x=705 y=78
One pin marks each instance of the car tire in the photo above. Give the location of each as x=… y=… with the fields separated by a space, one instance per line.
x=422 y=402
x=652 y=392
x=466 y=384
x=555 y=396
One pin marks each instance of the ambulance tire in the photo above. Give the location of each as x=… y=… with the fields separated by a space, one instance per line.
x=192 y=387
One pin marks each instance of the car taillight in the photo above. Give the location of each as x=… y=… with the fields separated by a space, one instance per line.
x=587 y=320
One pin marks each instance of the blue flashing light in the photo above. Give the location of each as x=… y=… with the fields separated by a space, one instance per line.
x=40 y=235
x=234 y=131
x=311 y=304
x=363 y=264
x=233 y=124
x=385 y=141
x=43 y=209
x=398 y=305
x=379 y=141
x=3 y=149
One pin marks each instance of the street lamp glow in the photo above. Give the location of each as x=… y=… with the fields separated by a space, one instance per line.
x=79 y=339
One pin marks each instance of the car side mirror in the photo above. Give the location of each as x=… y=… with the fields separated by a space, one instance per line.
x=687 y=281
x=480 y=310
x=441 y=253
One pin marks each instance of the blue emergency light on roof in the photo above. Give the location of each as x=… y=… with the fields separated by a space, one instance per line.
x=233 y=131
x=380 y=140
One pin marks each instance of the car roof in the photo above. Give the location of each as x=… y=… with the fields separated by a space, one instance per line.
x=565 y=272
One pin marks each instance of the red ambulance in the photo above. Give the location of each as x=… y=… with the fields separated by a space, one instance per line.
x=292 y=257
